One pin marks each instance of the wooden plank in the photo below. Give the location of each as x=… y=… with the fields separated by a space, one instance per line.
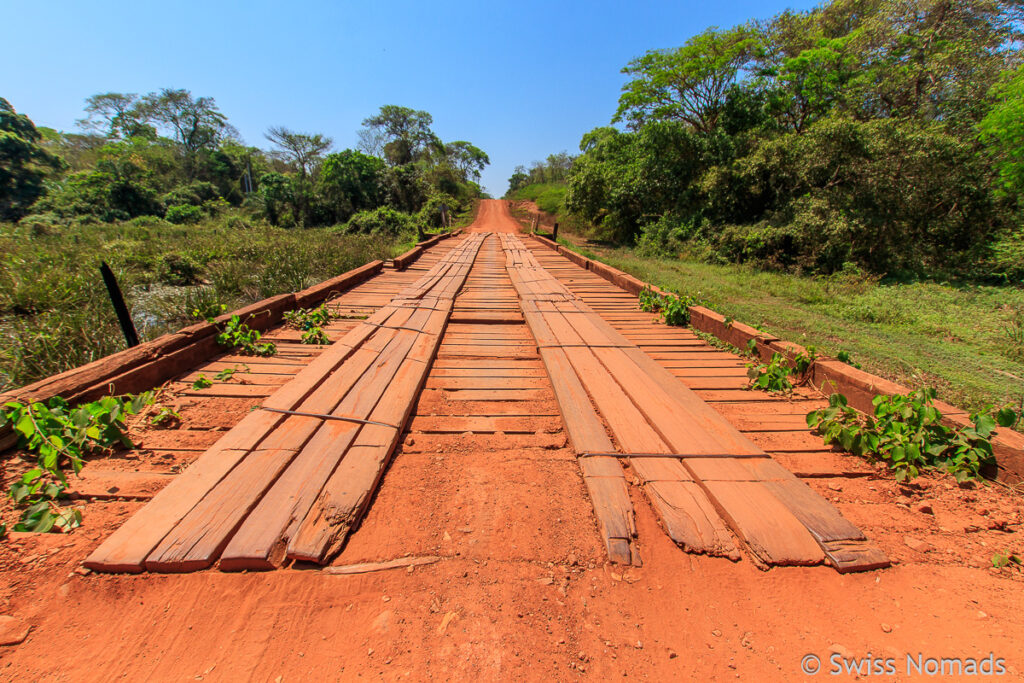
x=347 y=493
x=771 y=533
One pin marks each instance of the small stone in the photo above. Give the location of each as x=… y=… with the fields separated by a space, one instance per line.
x=410 y=441
x=369 y=653
x=886 y=628
x=639 y=645
x=447 y=536
x=716 y=633
x=12 y=630
x=925 y=507
x=571 y=560
x=917 y=544
x=672 y=654
x=840 y=650
x=386 y=599
x=84 y=571
x=835 y=487
x=981 y=615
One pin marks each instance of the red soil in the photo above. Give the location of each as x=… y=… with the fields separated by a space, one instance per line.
x=522 y=590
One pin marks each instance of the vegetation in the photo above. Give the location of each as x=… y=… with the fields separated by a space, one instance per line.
x=62 y=436
x=906 y=433
x=311 y=322
x=959 y=338
x=881 y=136
x=189 y=217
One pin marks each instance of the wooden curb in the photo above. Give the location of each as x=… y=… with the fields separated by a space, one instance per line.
x=408 y=258
x=402 y=262
x=827 y=375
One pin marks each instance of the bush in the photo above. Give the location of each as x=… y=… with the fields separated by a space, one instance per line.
x=381 y=221
x=179 y=270
x=430 y=214
x=182 y=215
x=195 y=193
x=39 y=224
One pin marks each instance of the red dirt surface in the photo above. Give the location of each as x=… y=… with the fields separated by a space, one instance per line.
x=522 y=589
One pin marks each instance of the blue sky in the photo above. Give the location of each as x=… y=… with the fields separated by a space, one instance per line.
x=519 y=80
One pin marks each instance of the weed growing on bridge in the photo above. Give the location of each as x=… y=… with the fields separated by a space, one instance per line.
x=243 y=339
x=774 y=376
x=906 y=432
x=311 y=322
x=61 y=437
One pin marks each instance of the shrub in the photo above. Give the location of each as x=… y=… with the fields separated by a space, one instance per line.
x=381 y=221
x=184 y=214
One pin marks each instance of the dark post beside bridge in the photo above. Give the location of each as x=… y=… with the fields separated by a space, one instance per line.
x=123 y=316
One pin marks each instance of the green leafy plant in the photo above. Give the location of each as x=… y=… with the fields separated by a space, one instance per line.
x=165 y=417
x=650 y=301
x=226 y=374
x=675 y=310
x=906 y=432
x=61 y=436
x=844 y=357
x=202 y=382
x=1006 y=559
x=315 y=335
x=308 y=318
x=772 y=376
x=311 y=322
x=243 y=339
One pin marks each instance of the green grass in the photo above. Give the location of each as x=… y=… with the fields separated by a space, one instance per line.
x=54 y=310
x=548 y=196
x=966 y=341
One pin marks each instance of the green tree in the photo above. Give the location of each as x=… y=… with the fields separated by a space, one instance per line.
x=116 y=115
x=467 y=158
x=351 y=181
x=687 y=84
x=304 y=152
x=1003 y=130
x=194 y=122
x=404 y=134
x=24 y=163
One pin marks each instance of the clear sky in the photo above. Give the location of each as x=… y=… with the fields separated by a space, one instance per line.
x=519 y=80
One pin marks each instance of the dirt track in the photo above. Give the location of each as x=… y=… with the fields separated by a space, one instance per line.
x=522 y=589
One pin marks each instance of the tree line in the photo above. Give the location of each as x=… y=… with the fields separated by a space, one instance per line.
x=885 y=135
x=174 y=155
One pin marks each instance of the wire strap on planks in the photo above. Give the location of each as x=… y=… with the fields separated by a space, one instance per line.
x=672 y=455
x=332 y=417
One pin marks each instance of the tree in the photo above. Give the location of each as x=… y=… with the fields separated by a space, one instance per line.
x=405 y=133
x=24 y=164
x=116 y=115
x=351 y=181
x=195 y=123
x=686 y=84
x=467 y=158
x=305 y=152
x=1003 y=130
x=519 y=179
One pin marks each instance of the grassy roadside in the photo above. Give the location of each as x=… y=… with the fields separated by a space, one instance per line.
x=54 y=310
x=966 y=341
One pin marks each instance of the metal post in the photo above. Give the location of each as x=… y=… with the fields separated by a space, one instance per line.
x=554 y=232
x=123 y=316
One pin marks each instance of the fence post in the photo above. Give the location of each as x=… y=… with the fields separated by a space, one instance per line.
x=123 y=316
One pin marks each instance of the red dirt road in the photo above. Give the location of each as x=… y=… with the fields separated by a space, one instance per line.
x=521 y=590
x=493 y=216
